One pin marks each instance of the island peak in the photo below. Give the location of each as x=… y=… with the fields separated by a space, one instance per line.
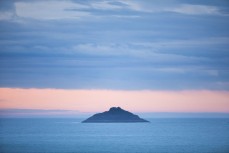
x=114 y=115
x=116 y=109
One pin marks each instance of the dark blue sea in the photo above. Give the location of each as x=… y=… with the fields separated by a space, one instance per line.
x=68 y=135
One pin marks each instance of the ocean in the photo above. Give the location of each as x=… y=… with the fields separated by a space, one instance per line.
x=68 y=135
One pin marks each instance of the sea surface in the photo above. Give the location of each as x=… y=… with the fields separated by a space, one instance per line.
x=36 y=135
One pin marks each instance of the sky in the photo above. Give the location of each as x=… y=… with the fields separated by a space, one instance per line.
x=86 y=56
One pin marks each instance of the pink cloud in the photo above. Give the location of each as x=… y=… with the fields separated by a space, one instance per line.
x=100 y=100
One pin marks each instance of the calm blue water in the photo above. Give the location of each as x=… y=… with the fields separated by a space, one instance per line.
x=71 y=136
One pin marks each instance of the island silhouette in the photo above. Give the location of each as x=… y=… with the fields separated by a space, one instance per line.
x=114 y=115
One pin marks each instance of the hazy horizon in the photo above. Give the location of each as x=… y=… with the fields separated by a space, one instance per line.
x=44 y=113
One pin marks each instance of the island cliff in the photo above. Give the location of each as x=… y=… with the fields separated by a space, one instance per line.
x=114 y=115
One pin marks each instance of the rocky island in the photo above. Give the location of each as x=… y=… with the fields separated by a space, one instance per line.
x=114 y=115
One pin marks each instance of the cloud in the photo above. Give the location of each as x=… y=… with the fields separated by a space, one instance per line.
x=186 y=70
x=6 y=15
x=102 y=49
x=105 y=5
x=148 y=42
x=133 y=5
x=112 y=49
x=7 y=10
x=155 y=51
x=156 y=6
x=184 y=44
x=212 y=72
x=49 y=10
x=195 y=9
x=221 y=84
x=58 y=10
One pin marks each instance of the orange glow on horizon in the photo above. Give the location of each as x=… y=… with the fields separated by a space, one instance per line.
x=101 y=100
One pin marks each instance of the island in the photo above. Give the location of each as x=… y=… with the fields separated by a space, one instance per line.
x=114 y=115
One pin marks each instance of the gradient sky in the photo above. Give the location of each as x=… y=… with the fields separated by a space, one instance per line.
x=89 y=55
